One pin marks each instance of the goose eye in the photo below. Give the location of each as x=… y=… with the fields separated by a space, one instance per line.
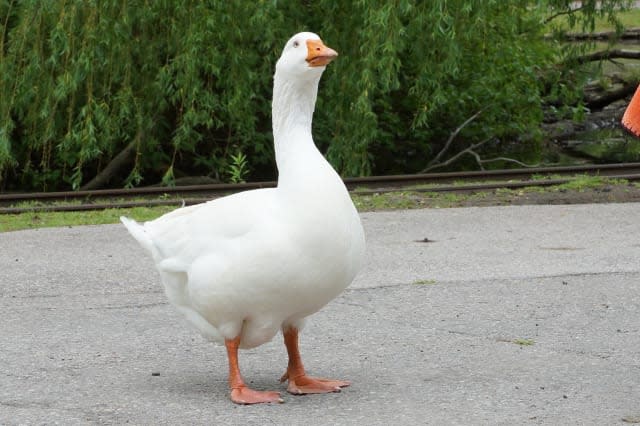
x=296 y=44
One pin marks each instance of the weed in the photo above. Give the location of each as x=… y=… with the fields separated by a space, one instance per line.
x=424 y=282
x=238 y=169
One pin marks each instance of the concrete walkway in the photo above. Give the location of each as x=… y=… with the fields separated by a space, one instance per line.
x=510 y=315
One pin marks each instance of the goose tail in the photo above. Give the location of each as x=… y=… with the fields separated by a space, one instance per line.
x=139 y=233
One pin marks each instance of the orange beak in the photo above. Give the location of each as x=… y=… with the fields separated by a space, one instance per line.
x=319 y=55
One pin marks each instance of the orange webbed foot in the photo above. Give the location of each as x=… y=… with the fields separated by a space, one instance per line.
x=303 y=385
x=245 y=396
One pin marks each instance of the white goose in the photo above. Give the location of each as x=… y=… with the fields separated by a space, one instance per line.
x=242 y=267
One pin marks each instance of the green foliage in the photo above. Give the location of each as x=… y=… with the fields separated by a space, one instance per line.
x=186 y=82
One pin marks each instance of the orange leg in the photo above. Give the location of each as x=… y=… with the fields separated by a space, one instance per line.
x=299 y=382
x=240 y=393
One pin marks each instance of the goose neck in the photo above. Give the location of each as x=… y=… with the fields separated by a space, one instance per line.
x=292 y=108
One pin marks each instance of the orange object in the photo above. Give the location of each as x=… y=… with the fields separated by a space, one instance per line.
x=319 y=55
x=240 y=393
x=631 y=117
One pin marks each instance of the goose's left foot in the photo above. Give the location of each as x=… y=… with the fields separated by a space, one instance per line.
x=302 y=385
x=299 y=382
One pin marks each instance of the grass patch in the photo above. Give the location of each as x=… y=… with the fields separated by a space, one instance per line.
x=423 y=186
x=14 y=222
x=386 y=201
x=628 y=18
x=545 y=177
x=583 y=182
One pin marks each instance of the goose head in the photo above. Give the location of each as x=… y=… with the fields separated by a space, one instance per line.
x=305 y=56
x=295 y=88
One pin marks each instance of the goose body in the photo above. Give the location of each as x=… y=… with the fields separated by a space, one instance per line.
x=243 y=267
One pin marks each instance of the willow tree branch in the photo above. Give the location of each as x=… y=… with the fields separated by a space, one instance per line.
x=481 y=161
x=469 y=150
x=453 y=135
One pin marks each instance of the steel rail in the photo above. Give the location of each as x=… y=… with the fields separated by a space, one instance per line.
x=359 y=186
x=477 y=187
x=368 y=181
x=489 y=185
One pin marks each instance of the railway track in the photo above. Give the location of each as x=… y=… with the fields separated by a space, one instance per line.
x=12 y=203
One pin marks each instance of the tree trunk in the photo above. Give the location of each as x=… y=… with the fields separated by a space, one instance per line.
x=114 y=167
x=609 y=54
x=611 y=96
x=630 y=34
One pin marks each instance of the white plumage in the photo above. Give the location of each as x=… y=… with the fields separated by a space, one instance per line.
x=245 y=266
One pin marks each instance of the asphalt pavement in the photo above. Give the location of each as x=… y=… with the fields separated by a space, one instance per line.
x=493 y=315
